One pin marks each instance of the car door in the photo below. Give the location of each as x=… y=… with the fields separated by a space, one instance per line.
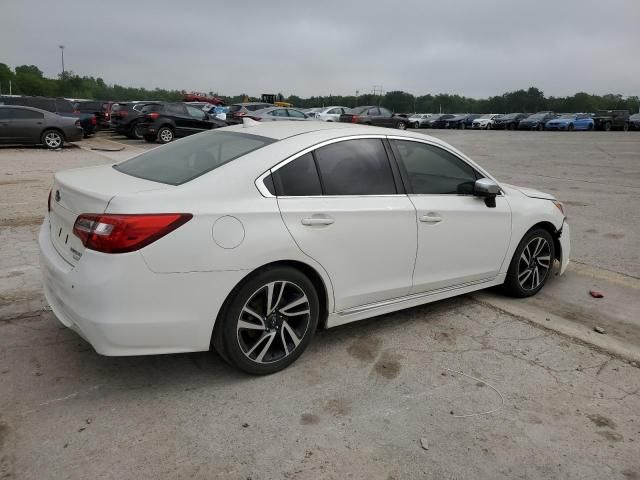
x=343 y=204
x=386 y=118
x=461 y=240
x=185 y=123
x=24 y=125
x=199 y=119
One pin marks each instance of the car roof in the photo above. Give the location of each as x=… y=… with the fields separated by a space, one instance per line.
x=284 y=130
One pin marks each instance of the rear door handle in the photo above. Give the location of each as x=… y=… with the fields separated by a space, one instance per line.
x=430 y=219
x=317 y=221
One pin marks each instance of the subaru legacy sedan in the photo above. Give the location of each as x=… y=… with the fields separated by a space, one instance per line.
x=250 y=238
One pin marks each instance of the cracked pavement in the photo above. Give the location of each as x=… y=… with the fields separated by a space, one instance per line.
x=492 y=388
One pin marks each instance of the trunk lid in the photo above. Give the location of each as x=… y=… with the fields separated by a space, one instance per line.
x=86 y=190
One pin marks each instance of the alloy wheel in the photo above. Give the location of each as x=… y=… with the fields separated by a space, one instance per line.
x=53 y=140
x=273 y=322
x=534 y=263
x=166 y=135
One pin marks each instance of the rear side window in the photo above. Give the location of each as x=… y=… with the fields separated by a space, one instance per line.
x=298 y=178
x=180 y=162
x=22 y=114
x=355 y=167
x=432 y=170
x=47 y=104
x=176 y=109
x=151 y=108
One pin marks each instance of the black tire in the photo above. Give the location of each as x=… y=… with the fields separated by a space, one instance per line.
x=540 y=127
x=590 y=127
x=134 y=133
x=571 y=127
x=165 y=135
x=625 y=128
x=52 y=139
x=150 y=138
x=233 y=342
x=401 y=126
x=516 y=282
x=462 y=126
x=607 y=126
x=512 y=126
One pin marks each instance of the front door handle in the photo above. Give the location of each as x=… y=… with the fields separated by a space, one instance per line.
x=317 y=221
x=430 y=219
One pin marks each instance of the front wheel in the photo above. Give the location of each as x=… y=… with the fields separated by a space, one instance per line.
x=269 y=321
x=625 y=127
x=540 y=127
x=52 y=139
x=165 y=135
x=571 y=127
x=401 y=126
x=531 y=264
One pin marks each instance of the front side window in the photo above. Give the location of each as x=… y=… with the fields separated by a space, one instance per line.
x=385 y=112
x=373 y=111
x=278 y=113
x=298 y=178
x=176 y=109
x=296 y=114
x=432 y=170
x=195 y=112
x=355 y=167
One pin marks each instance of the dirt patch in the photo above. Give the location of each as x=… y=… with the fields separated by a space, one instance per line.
x=336 y=407
x=602 y=421
x=21 y=222
x=592 y=230
x=365 y=349
x=615 y=236
x=17 y=182
x=4 y=433
x=388 y=366
x=309 y=419
x=611 y=436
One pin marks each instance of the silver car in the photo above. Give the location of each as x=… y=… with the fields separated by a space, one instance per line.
x=419 y=120
x=32 y=126
x=276 y=114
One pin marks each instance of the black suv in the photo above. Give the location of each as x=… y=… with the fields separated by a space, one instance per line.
x=165 y=121
x=509 y=121
x=125 y=117
x=611 y=120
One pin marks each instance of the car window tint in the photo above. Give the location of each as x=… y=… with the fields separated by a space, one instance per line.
x=195 y=112
x=373 y=111
x=355 y=167
x=296 y=113
x=385 y=112
x=298 y=178
x=268 y=182
x=176 y=109
x=47 y=104
x=180 y=162
x=64 y=106
x=432 y=170
x=22 y=114
x=279 y=113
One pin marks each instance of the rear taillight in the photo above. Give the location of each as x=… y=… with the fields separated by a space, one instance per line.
x=125 y=233
x=93 y=120
x=49 y=201
x=355 y=119
x=153 y=115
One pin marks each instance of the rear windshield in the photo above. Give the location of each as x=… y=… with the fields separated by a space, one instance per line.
x=182 y=161
x=90 y=106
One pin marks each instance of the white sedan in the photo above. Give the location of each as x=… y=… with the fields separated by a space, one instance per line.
x=251 y=237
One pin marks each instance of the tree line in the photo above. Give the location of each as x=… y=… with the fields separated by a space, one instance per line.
x=30 y=80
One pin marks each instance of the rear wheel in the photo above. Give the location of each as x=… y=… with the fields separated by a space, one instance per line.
x=607 y=126
x=571 y=127
x=625 y=127
x=540 y=127
x=134 y=132
x=511 y=126
x=531 y=264
x=401 y=126
x=269 y=321
x=52 y=139
x=462 y=126
x=165 y=135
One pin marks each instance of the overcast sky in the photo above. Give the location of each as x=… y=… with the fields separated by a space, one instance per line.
x=303 y=47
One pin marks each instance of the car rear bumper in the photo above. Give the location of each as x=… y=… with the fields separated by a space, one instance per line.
x=122 y=308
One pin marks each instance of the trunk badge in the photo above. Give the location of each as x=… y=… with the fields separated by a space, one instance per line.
x=57 y=195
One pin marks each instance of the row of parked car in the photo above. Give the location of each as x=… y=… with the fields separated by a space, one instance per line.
x=546 y=120
x=54 y=121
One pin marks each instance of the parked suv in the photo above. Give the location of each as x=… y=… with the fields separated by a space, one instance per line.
x=102 y=111
x=372 y=115
x=239 y=110
x=125 y=117
x=163 y=122
x=611 y=120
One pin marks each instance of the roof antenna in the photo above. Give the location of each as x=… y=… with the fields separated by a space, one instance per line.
x=249 y=122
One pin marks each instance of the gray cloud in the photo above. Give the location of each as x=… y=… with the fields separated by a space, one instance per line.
x=470 y=47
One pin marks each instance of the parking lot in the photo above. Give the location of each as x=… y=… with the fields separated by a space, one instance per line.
x=479 y=386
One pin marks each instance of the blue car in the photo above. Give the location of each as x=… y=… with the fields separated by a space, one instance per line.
x=571 y=121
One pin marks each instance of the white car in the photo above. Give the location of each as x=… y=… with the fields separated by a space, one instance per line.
x=419 y=120
x=251 y=237
x=485 y=122
x=330 y=114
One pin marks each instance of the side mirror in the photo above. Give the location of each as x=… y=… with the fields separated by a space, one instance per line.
x=487 y=189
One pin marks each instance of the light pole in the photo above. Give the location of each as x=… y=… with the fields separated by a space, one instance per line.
x=62 y=54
